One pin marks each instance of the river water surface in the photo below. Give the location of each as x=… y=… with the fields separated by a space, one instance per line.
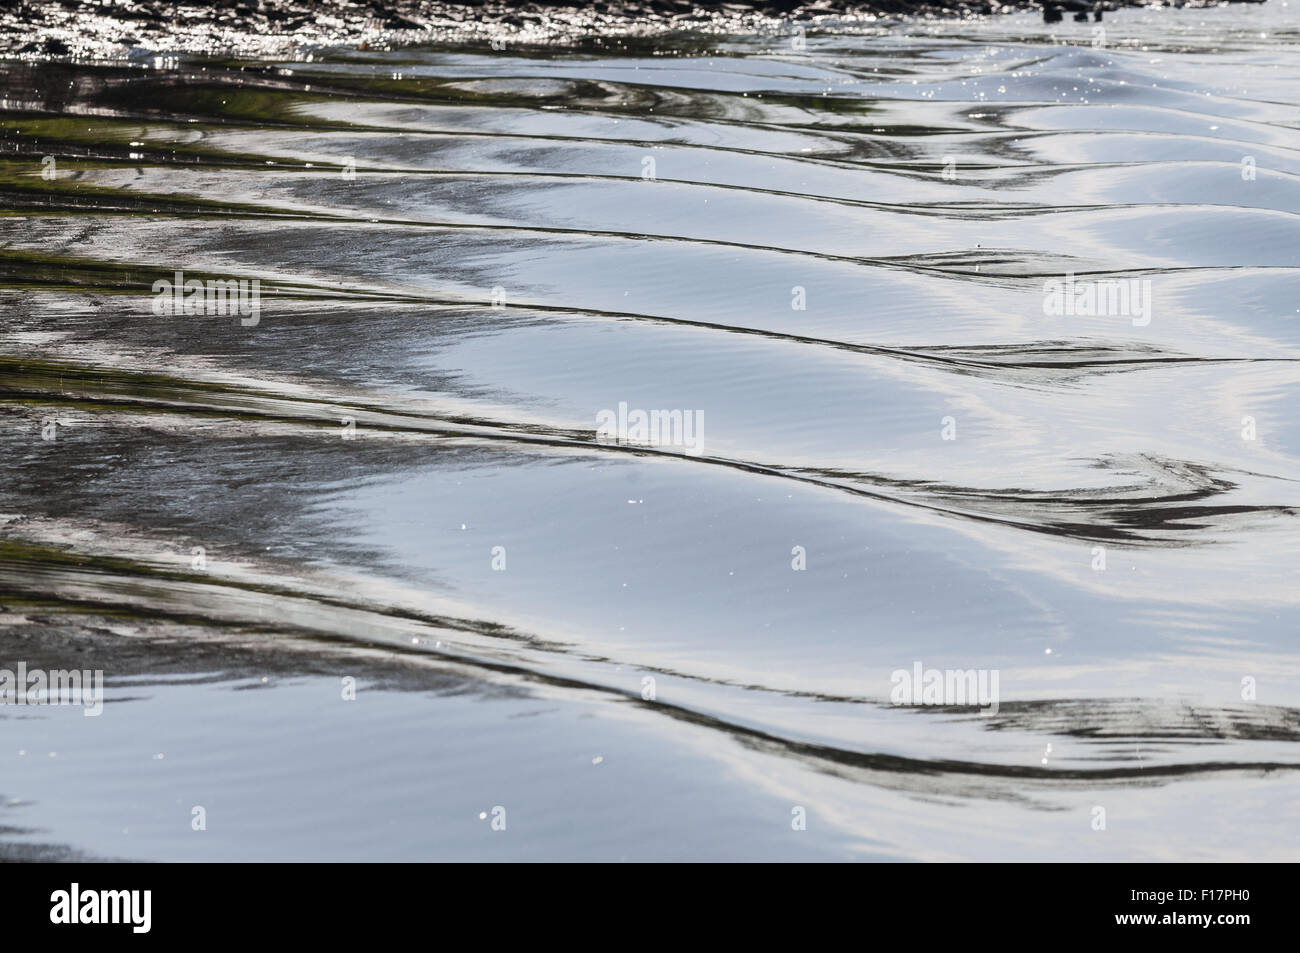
x=833 y=253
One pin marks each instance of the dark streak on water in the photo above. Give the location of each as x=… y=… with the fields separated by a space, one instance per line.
x=475 y=427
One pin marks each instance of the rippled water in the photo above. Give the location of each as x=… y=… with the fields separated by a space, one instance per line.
x=838 y=258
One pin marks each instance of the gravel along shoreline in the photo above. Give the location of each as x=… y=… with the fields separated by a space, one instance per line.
x=132 y=29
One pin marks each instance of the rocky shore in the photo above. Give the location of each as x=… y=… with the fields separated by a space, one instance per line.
x=126 y=29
